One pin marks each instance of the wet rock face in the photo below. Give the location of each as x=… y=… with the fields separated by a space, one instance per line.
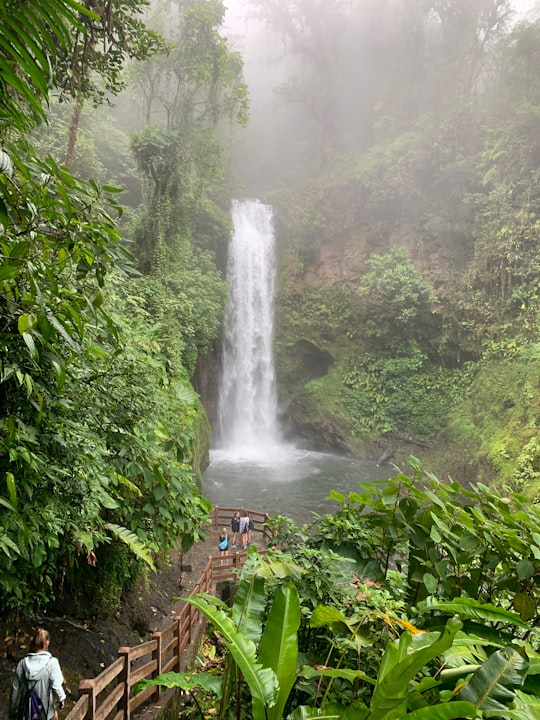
x=315 y=362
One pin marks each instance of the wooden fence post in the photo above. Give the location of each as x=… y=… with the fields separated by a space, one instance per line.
x=125 y=677
x=178 y=666
x=157 y=655
x=88 y=687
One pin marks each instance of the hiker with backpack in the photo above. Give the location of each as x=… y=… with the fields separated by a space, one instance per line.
x=38 y=681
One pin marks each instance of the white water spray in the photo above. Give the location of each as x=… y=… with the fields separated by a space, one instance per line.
x=247 y=399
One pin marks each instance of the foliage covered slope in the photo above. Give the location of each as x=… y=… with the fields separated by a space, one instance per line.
x=415 y=599
x=102 y=437
x=409 y=246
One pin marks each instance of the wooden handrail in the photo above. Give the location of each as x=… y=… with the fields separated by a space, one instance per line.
x=109 y=695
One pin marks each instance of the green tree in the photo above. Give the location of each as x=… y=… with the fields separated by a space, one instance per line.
x=87 y=453
x=106 y=36
x=399 y=303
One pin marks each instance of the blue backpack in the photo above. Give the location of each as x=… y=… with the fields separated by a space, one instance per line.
x=31 y=705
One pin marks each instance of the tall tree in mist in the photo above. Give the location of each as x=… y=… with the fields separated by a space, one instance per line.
x=193 y=90
x=459 y=37
x=102 y=40
x=352 y=65
x=324 y=41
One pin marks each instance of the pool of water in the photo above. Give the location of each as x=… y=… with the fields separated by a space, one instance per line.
x=286 y=482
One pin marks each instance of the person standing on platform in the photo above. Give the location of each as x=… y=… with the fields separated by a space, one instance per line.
x=235 y=527
x=244 y=529
x=223 y=542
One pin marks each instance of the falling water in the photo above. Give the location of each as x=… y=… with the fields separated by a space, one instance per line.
x=253 y=466
x=247 y=400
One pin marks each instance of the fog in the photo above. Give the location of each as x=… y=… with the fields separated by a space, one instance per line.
x=315 y=89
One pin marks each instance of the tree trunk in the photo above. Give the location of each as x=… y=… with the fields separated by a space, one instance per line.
x=73 y=130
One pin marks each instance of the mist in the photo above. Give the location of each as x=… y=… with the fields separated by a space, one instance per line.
x=337 y=78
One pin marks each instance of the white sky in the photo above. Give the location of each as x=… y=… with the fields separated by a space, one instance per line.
x=522 y=6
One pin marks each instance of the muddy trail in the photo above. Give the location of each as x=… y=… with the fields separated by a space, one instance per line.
x=84 y=649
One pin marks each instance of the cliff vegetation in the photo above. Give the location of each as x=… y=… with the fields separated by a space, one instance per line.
x=408 y=271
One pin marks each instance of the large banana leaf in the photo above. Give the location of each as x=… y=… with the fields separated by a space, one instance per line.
x=250 y=601
x=357 y=711
x=526 y=707
x=279 y=644
x=492 y=687
x=446 y=711
x=470 y=609
x=247 y=614
x=262 y=682
x=399 y=666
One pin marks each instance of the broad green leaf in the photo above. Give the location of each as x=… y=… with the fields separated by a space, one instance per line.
x=30 y=344
x=310 y=672
x=470 y=609
x=446 y=711
x=6 y=271
x=526 y=707
x=391 y=688
x=324 y=616
x=249 y=603
x=492 y=687
x=26 y=322
x=187 y=681
x=59 y=372
x=525 y=569
x=262 y=682
x=430 y=582
x=9 y=547
x=525 y=605
x=279 y=644
x=12 y=490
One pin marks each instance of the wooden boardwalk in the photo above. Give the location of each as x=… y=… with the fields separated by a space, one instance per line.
x=109 y=696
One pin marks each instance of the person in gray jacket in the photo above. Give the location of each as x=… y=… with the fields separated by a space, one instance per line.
x=38 y=669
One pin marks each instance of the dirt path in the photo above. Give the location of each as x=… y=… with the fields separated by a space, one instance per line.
x=85 y=649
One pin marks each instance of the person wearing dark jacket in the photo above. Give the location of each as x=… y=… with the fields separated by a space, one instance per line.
x=41 y=671
x=235 y=527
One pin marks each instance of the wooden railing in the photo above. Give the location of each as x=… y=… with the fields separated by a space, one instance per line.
x=221 y=517
x=109 y=695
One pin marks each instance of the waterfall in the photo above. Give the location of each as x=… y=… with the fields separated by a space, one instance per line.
x=247 y=399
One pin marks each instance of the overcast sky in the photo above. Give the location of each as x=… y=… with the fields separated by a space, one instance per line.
x=524 y=5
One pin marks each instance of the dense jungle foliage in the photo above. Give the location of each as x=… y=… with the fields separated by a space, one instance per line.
x=106 y=306
x=407 y=188
x=402 y=160
x=424 y=605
